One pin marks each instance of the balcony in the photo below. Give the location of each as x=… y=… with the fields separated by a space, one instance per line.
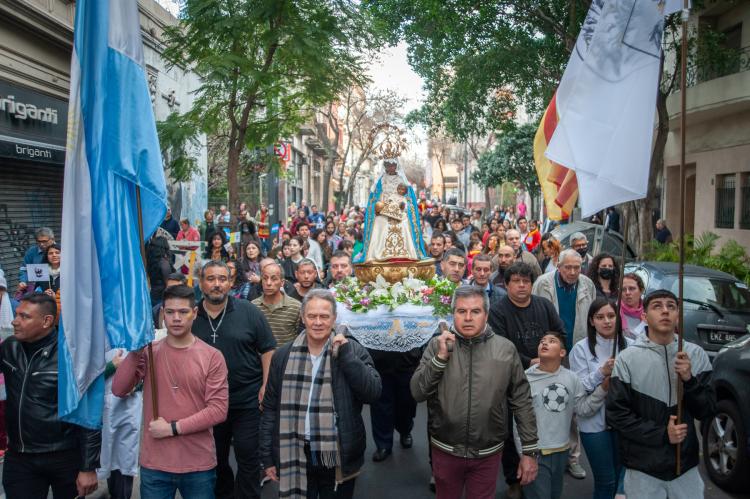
x=306 y=129
x=716 y=89
x=737 y=63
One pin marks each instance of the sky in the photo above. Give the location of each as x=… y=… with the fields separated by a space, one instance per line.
x=391 y=71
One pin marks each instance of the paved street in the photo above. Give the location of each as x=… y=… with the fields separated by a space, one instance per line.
x=406 y=474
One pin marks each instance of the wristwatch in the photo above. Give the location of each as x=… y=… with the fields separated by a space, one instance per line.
x=174 y=428
x=534 y=454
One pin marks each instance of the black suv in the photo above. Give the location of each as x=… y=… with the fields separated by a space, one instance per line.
x=717 y=305
x=726 y=443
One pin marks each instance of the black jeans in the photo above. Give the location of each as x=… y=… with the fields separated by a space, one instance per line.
x=119 y=486
x=321 y=482
x=395 y=409
x=30 y=476
x=240 y=431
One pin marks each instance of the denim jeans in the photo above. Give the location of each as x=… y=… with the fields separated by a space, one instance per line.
x=157 y=484
x=601 y=450
x=549 y=478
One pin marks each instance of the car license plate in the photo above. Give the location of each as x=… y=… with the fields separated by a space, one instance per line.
x=722 y=336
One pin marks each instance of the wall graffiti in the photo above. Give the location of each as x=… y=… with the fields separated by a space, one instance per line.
x=15 y=236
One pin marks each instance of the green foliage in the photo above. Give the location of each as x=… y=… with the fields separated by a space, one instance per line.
x=176 y=136
x=264 y=64
x=480 y=60
x=511 y=160
x=732 y=258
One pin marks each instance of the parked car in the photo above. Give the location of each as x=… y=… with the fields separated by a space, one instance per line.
x=726 y=447
x=716 y=304
x=600 y=239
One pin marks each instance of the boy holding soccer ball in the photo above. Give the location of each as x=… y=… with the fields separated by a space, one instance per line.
x=556 y=394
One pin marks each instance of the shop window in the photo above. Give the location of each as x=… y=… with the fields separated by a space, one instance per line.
x=725 y=186
x=745 y=201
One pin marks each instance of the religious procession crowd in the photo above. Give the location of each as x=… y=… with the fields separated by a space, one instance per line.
x=537 y=367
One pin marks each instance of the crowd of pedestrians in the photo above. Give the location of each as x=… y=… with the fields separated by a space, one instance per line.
x=548 y=356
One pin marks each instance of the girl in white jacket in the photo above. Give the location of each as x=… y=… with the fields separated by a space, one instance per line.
x=592 y=361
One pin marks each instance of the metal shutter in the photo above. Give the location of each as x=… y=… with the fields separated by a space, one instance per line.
x=30 y=198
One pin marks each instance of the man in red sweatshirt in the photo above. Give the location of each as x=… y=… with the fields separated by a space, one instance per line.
x=177 y=449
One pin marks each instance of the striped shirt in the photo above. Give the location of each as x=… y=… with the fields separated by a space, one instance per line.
x=283 y=317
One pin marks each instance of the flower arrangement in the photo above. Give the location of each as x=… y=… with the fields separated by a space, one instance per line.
x=436 y=292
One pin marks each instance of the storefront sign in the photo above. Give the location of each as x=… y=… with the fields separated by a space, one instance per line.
x=32 y=125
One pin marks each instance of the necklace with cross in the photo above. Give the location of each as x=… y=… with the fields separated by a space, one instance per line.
x=211 y=324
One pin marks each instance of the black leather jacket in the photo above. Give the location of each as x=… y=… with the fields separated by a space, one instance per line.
x=31 y=410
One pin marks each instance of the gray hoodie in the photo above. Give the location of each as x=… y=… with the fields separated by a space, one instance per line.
x=555 y=397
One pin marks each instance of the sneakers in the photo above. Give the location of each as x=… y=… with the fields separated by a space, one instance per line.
x=432 y=483
x=576 y=471
x=514 y=491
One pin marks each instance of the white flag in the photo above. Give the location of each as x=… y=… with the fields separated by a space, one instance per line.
x=606 y=101
x=37 y=272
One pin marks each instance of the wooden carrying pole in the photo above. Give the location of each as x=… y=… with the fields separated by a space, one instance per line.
x=681 y=268
x=151 y=370
x=618 y=331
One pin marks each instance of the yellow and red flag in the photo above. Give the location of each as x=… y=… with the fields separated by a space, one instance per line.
x=559 y=184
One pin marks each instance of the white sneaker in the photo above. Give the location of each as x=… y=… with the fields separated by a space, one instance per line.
x=576 y=471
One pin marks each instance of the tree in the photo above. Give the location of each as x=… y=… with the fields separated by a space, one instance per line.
x=263 y=65
x=356 y=114
x=511 y=160
x=480 y=60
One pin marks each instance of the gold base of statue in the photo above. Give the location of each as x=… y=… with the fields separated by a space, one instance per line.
x=394 y=272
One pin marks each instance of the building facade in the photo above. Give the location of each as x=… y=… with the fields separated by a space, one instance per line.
x=717 y=134
x=36 y=40
x=451 y=165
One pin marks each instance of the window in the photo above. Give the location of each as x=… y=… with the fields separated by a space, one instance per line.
x=724 y=201
x=745 y=201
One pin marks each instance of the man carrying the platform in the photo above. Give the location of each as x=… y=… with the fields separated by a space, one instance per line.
x=472 y=379
x=312 y=435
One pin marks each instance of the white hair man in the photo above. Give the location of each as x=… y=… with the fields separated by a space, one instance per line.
x=312 y=437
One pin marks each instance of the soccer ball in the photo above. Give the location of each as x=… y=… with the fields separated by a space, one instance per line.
x=555 y=397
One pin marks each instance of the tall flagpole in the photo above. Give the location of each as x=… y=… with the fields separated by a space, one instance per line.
x=151 y=370
x=618 y=331
x=681 y=270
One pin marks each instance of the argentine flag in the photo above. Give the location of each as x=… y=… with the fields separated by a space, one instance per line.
x=112 y=147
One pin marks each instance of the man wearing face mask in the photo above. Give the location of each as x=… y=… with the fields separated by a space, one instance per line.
x=580 y=243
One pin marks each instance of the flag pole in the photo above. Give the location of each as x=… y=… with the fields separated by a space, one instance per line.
x=618 y=331
x=681 y=268
x=152 y=378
